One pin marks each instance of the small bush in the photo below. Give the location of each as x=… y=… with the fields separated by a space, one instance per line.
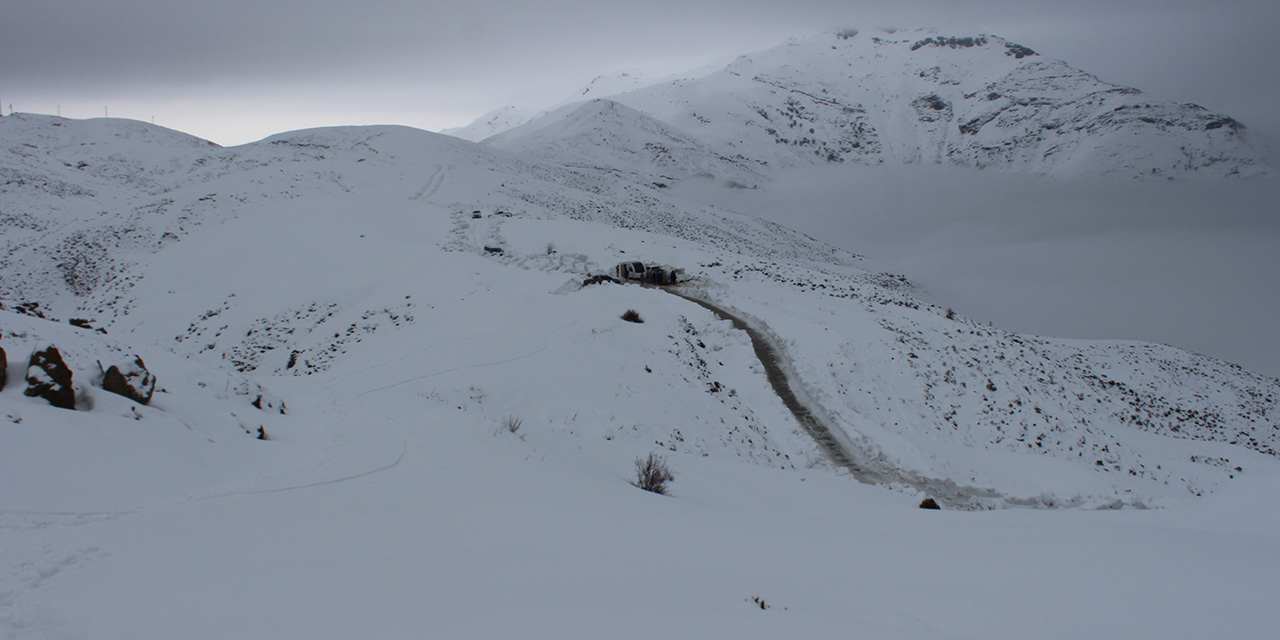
x=509 y=424
x=631 y=315
x=652 y=474
x=512 y=424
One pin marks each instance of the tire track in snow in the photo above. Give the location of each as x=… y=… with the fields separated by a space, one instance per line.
x=546 y=343
x=334 y=408
x=404 y=439
x=433 y=183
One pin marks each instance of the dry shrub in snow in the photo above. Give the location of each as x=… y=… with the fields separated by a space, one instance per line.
x=652 y=474
x=512 y=424
x=631 y=315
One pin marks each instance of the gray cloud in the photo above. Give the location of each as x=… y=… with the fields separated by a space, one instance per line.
x=385 y=60
x=1189 y=264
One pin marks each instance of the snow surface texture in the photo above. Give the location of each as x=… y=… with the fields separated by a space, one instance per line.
x=892 y=98
x=343 y=321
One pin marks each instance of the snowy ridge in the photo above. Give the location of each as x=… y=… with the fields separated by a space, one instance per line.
x=510 y=116
x=495 y=121
x=636 y=147
x=911 y=97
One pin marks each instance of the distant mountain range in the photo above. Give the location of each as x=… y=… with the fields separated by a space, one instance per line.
x=879 y=98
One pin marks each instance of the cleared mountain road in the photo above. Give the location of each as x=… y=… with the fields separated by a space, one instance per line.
x=864 y=464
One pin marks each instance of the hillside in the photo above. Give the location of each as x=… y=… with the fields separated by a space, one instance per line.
x=339 y=236
x=607 y=137
x=907 y=97
x=387 y=402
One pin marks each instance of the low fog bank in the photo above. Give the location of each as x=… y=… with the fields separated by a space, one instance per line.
x=1191 y=264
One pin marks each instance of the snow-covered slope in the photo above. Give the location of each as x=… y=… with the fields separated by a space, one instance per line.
x=451 y=416
x=282 y=258
x=631 y=144
x=921 y=96
x=495 y=121
x=510 y=116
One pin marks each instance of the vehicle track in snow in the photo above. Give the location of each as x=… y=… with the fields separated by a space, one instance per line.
x=863 y=463
x=433 y=183
x=769 y=359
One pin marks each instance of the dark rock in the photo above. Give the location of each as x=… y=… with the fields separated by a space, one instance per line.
x=952 y=42
x=932 y=108
x=29 y=309
x=4 y=368
x=929 y=503
x=1223 y=122
x=85 y=324
x=1018 y=51
x=48 y=377
x=131 y=380
x=598 y=279
x=933 y=101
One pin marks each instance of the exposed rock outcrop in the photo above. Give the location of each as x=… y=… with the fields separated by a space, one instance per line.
x=130 y=379
x=49 y=377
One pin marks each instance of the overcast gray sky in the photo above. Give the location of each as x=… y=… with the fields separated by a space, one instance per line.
x=237 y=70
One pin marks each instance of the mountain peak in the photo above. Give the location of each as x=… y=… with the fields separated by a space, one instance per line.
x=925 y=96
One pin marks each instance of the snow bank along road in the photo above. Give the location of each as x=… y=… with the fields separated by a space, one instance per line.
x=862 y=462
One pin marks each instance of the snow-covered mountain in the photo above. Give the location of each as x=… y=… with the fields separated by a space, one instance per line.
x=924 y=97
x=282 y=257
x=511 y=116
x=495 y=121
x=383 y=387
x=608 y=137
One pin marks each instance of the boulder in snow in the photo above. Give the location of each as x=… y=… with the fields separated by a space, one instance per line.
x=4 y=368
x=130 y=379
x=48 y=377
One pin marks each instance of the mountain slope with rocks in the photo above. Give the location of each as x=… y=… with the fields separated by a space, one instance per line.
x=924 y=97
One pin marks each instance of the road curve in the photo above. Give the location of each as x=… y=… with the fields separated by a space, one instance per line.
x=865 y=466
x=771 y=359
